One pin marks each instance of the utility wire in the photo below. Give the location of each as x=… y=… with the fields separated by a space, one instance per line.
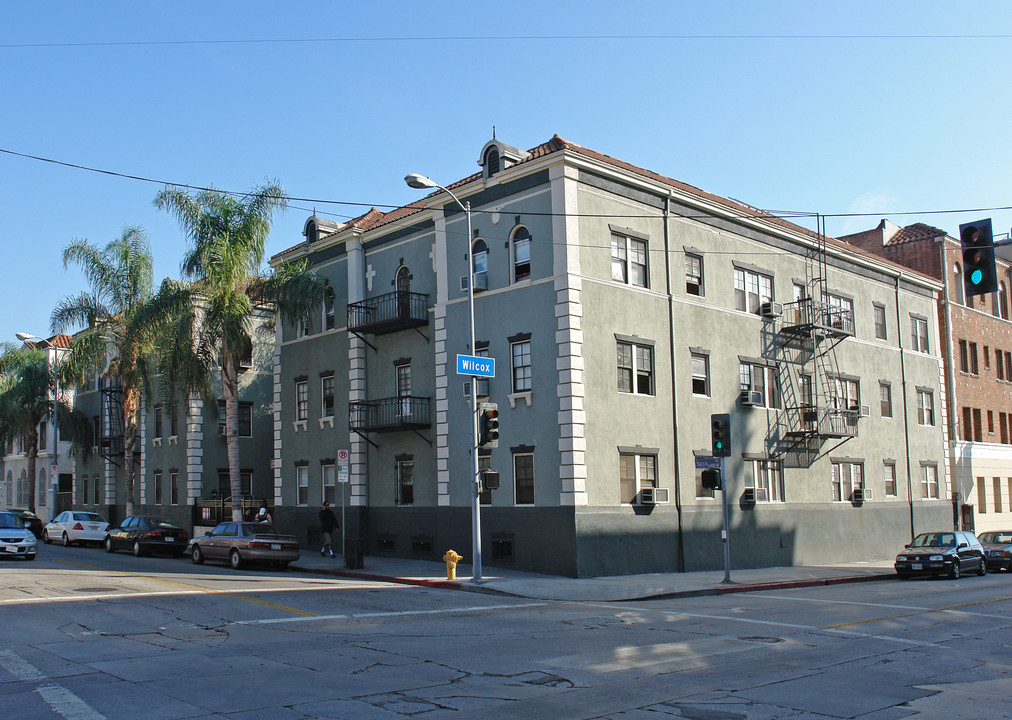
x=754 y=214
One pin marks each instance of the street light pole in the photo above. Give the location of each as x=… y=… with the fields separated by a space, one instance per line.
x=417 y=181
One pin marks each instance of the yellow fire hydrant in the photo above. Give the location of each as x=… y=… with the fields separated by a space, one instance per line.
x=451 y=559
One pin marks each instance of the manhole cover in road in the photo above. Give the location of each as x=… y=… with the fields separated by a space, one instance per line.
x=761 y=639
x=95 y=590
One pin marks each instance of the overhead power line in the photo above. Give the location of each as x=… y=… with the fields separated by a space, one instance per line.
x=745 y=212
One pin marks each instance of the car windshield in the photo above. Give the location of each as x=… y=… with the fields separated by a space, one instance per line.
x=161 y=522
x=8 y=520
x=946 y=539
x=998 y=538
x=258 y=529
x=90 y=516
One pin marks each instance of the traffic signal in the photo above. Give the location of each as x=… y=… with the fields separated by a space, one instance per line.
x=720 y=435
x=488 y=425
x=979 y=275
x=711 y=479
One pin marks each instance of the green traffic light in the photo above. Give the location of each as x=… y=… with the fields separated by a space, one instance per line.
x=976 y=276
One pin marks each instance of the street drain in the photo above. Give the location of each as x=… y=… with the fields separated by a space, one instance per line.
x=761 y=639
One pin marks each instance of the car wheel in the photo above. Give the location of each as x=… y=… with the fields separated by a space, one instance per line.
x=108 y=545
x=137 y=548
x=30 y=557
x=197 y=556
x=45 y=537
x=903 y=576
x=982 y=570
x=954 y=573
x=282 y=564
x=66 y=540
x=234 y=559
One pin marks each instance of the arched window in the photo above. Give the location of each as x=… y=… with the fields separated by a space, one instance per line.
x=403 y=284
x=1002 y=301
x=521 y=250
x=329 y=300
x=42 y=487
x=10 y=488
x=479 y=256
x=957 y=284
x=23 y=497
x=491 y=161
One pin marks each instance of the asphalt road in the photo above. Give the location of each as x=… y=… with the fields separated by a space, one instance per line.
x=89 y=636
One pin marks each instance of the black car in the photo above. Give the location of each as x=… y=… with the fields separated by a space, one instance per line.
x=948 y=552
x=32 y=521
x=998 y=546
x=143 y=534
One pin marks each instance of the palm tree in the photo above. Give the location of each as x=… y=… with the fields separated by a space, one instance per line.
x=121 y=318
x=231 y=296
x=27 y=382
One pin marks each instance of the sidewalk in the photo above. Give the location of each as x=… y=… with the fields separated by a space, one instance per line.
x=500 y=581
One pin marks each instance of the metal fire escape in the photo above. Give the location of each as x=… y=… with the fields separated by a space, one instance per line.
x=802 y=337
x=110 y=440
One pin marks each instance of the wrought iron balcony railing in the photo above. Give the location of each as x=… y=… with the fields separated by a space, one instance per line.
x=806 y=313
x=392 y=414
x=399 y=310
x=828 y=422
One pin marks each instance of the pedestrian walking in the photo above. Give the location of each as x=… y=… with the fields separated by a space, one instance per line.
x=264 y=517
x=328 y=524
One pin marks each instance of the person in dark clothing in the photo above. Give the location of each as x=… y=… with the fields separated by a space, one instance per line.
x=328 y=524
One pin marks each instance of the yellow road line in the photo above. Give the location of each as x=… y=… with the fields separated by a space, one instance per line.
x=947 y=608
x=209 y=591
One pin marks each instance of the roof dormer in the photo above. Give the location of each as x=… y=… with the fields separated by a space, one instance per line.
x=317 y=227
x=496 y=156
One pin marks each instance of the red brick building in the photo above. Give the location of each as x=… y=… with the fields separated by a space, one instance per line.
x=977 y=364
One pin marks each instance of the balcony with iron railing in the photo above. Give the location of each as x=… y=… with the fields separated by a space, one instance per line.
x=806 y=314
x=399 y=310
x=823 y=421
x=394 y=414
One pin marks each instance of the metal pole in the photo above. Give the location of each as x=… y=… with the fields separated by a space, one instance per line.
x=475 y=499
x=344 y=545
x=55 y=469
x=724 y=535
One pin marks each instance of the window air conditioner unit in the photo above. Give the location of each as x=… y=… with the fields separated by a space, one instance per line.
x=865 y=411
x=480 y=282
x=751 y=398
x=654 y=496
x=861 y=494
x=771 y=309
x=754 y=495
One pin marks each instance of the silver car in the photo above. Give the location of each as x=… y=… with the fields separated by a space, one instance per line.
x=75 y=526
x=243 y=542
x=15 y=539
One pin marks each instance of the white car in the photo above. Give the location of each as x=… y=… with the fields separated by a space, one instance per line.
x=75 y=526
x=15 y=539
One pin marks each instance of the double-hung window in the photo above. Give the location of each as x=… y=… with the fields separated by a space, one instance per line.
x=635 y=368
x=885 y=397
x=329 y=302
x=929 y=481
x=521 y=254
x=405 y=472
x=636 y=472
x=327 y=390
x=174 y=487
x=847 y=477
x=846 y=394
x=158 y=487
x=693 y=274
x=302 y=483
x=523 y=478
x=925 y=407
x=629 y=260
x=158 y=421
x=755 y=378
x=520 y=356
x=889 y=473
x=404 y=390
x=700 y=369
x=329 y=483
x=245 y=418
x=751 y=289
x=302 y=400
x=880 y=322
x=919 y=333
x=768 y=475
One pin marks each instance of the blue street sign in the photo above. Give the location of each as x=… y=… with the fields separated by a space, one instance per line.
x=708 y=463
x=476 y=366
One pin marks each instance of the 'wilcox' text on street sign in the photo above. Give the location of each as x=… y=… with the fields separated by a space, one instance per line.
x=476 y=366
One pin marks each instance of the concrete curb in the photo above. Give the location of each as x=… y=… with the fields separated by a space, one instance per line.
x=699 y=592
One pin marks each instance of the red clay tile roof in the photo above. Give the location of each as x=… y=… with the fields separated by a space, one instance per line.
x=917 y=231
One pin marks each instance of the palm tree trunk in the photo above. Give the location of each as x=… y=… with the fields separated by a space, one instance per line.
x=32 y=445
x=131 y=399
x=230 y=388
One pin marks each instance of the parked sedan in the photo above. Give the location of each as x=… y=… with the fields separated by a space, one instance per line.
x=75 y=526
x=998 y=546
x=143 y=534
x=16 y=540
x=244 y=542
x=32 y=521
x=942 y=553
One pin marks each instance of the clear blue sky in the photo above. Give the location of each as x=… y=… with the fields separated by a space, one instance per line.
x=877 y=107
